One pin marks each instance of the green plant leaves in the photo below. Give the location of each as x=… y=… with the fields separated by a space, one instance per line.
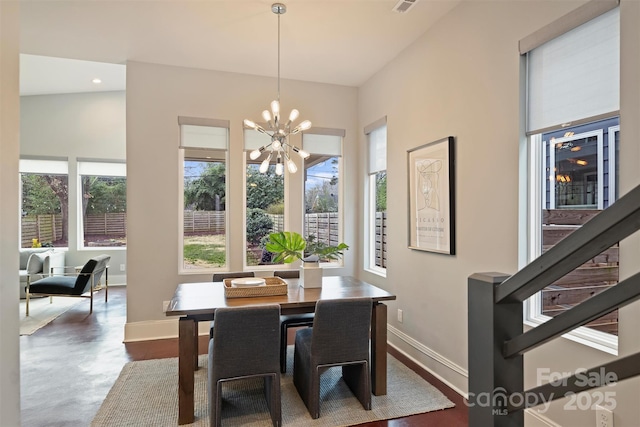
x=288 y=245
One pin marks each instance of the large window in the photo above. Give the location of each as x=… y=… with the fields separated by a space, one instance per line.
x=44 y=203
x=203 y=211
x=322 y=184
x=264 y=201
x=573 y=135
x=376 y=205
x=103 y=204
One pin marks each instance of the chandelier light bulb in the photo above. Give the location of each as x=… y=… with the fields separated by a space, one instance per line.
x=305 y=125
x=279 y=169
x=303 y=154
x=255 y=154
x=250 y=124
x=275 y=109
x=276 y=144
x=264 y=166
x=266 y=115
x=291 y=166
x=294 y=115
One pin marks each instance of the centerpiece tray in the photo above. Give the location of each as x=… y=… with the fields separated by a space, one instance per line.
x=273 y=286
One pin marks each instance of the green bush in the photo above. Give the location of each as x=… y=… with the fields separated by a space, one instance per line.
x=276 y=209
x=258 y=225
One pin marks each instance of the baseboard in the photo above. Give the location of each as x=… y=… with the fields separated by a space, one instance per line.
x=534 y=419
x=435 y=356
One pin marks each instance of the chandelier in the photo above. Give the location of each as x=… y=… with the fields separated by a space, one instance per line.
x=278 y=130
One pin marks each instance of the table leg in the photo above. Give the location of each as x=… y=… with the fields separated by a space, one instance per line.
x=379 y=349
x=185 y=369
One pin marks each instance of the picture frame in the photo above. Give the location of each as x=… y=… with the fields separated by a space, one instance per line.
x=431 y=191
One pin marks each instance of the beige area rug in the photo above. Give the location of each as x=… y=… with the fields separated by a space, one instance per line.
x=146 y=394
x=41 y=312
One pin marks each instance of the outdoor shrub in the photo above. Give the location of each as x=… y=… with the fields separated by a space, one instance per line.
x=258 y=225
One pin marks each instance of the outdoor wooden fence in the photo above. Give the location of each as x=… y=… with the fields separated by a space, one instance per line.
x=381 y=239
x=45 y=228
x=109 y=224
x=204 y=222
x=591 y=278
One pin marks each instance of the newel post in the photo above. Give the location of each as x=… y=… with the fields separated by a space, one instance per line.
x=492 y=378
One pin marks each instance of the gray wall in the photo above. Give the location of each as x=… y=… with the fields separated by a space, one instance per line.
x=462 y=78
x=9 y=152
x=85 y=126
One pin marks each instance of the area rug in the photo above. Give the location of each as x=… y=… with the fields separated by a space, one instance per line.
x=41 y=312
x=146 y=394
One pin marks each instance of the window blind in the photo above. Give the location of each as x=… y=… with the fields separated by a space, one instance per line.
x=378 y=150
x=322 y=144
x=102 y=168
x=575 y=76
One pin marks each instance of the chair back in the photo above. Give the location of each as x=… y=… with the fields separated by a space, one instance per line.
x=341 y=330
x=219 y=277
x=287 y=274
x=246 y=341
x=95 y=267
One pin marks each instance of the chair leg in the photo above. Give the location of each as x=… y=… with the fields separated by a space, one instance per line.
x=27 y=294
x=91 y=297
x=283 y=348
x=357 y=378
x=106 y=284
x=272 y=395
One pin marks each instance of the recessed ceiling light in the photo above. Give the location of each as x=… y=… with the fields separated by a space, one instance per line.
x=96 y=80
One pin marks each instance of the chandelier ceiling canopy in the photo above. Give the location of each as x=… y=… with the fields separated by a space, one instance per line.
x=278 y=129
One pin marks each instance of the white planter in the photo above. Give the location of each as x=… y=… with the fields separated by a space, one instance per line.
x=311 y=275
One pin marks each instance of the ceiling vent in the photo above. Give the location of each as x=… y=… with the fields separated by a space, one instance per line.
x=404 y=5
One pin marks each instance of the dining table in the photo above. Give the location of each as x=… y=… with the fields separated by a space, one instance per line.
x=197 y=302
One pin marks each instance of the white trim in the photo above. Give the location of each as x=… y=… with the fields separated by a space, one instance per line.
x=612 y=162
x=532 y=418
x=437 y=357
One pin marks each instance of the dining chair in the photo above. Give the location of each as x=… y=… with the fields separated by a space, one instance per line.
x=245 y=345
x=219 y=277
x=339 y=337
x=290 y=320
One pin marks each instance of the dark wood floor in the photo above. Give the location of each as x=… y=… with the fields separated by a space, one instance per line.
x=68 y=367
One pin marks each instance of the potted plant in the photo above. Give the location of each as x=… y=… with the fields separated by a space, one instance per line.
x=289 y=246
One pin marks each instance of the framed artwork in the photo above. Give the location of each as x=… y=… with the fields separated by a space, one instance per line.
x=432 y=197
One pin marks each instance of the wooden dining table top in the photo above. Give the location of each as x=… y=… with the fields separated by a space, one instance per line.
x=203 y=298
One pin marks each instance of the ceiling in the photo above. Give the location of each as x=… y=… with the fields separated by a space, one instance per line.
x=340 y=42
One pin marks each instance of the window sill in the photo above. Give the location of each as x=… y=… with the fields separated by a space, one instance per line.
x=382 y=272
x=601 y=341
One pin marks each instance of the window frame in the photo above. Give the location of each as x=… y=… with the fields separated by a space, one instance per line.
x=341 y=134
x=370 y=201
x=200 y=152
x=42 y=166
x=116 y=164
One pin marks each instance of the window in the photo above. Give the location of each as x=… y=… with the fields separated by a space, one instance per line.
x=376 y=204
x=322 y=186
x=264 y=201
x=44 y=203
x=573 y=130
x=203 y=225
x=103 y=204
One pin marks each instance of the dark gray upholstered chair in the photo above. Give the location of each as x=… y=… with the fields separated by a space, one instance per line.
x=72 y=284
x=245 y=345
x=290 y=320
x=219 y=277
x=339 y=337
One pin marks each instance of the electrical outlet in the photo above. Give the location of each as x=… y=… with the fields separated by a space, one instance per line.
x=604 y=417
x=122 y=267
x=399 y=315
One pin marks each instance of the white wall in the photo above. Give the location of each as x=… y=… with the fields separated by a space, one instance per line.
x=156 y=96
x=462 y=78
x=9 y=142
x=85 y=126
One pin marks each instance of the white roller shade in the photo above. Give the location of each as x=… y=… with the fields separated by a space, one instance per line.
x=378 y=150
x=102 y=169
x=194 y=136
x=322 y=144
x=576 y=75
x=254 y=139
x=50 y=167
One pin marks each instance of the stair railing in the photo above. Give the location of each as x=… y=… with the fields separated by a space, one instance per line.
x=497 y=342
